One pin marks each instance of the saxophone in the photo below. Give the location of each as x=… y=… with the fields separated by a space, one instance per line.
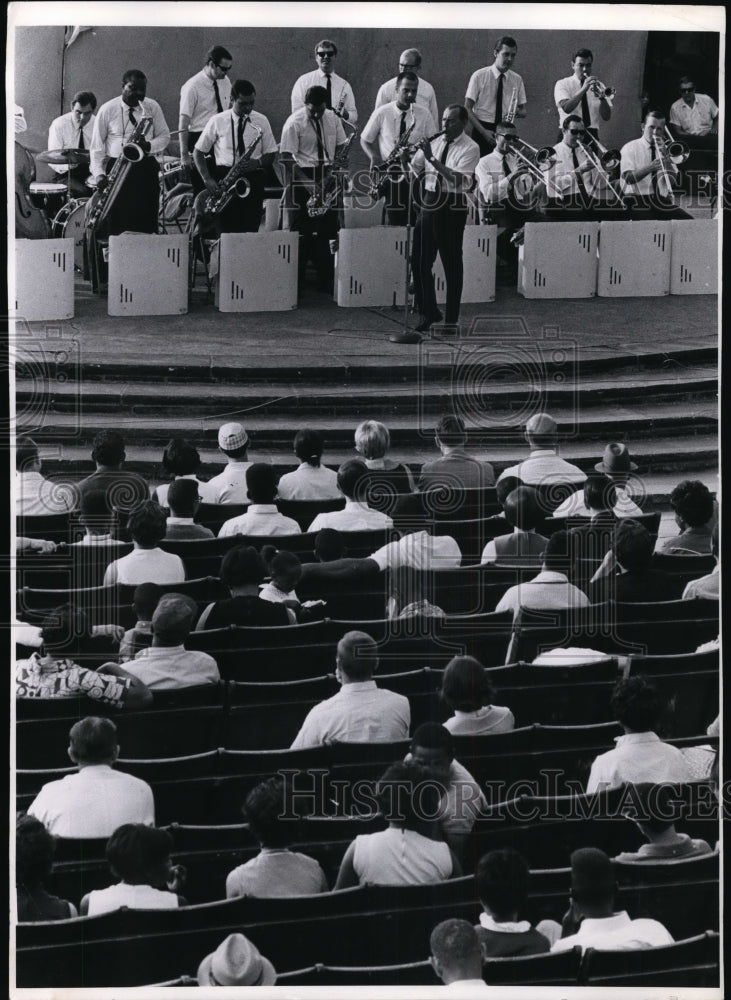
x=325 y=195
x=380 y=175
x=100 y=203
x=207 y=206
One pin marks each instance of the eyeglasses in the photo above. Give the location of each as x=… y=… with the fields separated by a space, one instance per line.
x=576 y=131
x=325 y=55
x=224 y=69
x=408 y=65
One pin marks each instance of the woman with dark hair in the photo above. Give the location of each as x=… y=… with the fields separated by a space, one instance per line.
x=311 y=481
x=467 y=690
x=411 y=850
x=34 y=848
x=243 y=571
x=139 y=856
x=181 y=460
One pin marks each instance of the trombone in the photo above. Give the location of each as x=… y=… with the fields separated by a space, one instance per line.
x=677 y=157
x=607 y=160
x=677 y=151
x=533 y=162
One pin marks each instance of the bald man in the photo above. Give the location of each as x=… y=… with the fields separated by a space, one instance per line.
x=410 y=62
x=457 y=956
x=543 y=465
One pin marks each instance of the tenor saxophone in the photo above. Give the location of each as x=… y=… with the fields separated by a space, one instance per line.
x=325 y=195
x=207 y=206
x=101 y=202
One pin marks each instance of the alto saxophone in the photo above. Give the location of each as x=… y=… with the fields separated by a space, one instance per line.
x=380 y=175
x=207 y=205
x=101 y=201
x=325 y=195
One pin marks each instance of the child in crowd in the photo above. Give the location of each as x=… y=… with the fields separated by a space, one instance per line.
x=144 y=601
x=34 y=847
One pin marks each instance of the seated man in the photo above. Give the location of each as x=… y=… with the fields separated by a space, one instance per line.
x=124 y=489
x=360 y=712
x=35 y=495
x=626 y=573
x=457 y=956
x=94 y=802
x=525 y=546
x=694 y=515
x=456 y=469
x=550 y=590
x=229 y=486
x=167 y=665
x=147 y=563
x=589 y=542
x=653 y=809
x=357 y=515
x=183 y=500
x=236 y=962
x=543 y=467
x=616 y=464
x=591 y=920
x=144 y=601
x=707 y=587
x=640 y=755
x=502 y=886
x=99 y=520
x=262 y=517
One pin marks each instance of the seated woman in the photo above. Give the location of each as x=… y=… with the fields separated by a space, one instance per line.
x=34 y=847
x=411 y=851
x=243 y=571
x=311 y=481
x=147 y=563
x=502 y=887
x=654 y=809
x=139 y=856
x=181 y=460
x=276 y=870
x=467 y=690
x=372 y=441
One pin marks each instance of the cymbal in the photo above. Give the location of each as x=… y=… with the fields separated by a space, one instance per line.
x=59 y=156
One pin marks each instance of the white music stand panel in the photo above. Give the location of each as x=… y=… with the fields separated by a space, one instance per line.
x=558 y=260
x=371 y=266
x=694 y=257
x=44 y=279
x=361 y=212
x=257 y=272
x=634 y=258
x=271 y=215
x=479 y=259
x=148 y=274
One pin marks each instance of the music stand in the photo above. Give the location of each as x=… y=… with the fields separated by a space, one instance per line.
x=407 y=334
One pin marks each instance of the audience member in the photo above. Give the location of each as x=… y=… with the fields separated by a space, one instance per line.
x=236 y=962
x=457 y=955
x=229 y=486
x=285 y=570
x=276 y=870
x=144 y=602
x=589 y=542
x=182 y=460
x=52 y=673
x=311 y=481
x=262 y=517
x=640 y=755
x=33 y=545
x=167 y=665
x=125 y=490
x=147 y=563
x=360 y=712
x=467 y=691
x=525 y=544
x=98 y=799
x=591 y=920
x=243 y=572
x=183 y=500
x=419 y=550
x=411 y=850
x=616 y=464
x=707 y=586
x=385 y=475
x=353 y=483
x=34 y=848
x=653 y=808
x=550 y=590
x=35 y=495
x=456 y=469
x=406 y=597
x=139 y=856
x=98 y=519
x=329 y=545
x=626 y=574
x=543 y=467
x=432 y=746
x=692 y=502
x=502 y=887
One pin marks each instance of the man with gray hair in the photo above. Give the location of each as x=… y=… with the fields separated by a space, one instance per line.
x=167 y=665
x=457 y=956
x=360 y=712
x=410 y=62
x=543 y=465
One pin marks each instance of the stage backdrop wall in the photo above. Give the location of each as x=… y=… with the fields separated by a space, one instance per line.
x=272 y=58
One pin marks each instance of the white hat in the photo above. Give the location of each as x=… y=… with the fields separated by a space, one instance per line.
x=236 y=962
x=232 y=436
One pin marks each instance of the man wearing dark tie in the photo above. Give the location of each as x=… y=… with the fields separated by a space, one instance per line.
x=490 y=92
x=201 y=97
x=577 y=95
x=338 y=92
x=74 y=131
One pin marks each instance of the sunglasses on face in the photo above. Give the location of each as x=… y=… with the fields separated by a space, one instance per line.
x=325 y=55
x=576 y=131
x=687 y=90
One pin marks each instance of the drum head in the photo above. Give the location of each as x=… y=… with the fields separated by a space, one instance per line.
x=46 y=187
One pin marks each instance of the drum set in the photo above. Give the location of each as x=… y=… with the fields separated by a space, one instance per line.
x=68 y=220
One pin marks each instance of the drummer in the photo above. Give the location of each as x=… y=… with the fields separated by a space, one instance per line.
x=74 y=131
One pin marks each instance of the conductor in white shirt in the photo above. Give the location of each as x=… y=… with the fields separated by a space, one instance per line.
x=74 y=130
x=339 y=92
x=410 y=62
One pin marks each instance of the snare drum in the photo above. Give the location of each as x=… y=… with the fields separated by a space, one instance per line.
x=69 y=222
x=42 y=191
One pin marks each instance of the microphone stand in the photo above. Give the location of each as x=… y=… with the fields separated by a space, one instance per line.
x=407 y=334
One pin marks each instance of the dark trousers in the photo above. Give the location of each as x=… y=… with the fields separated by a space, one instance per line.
x=439 y=230
x=243 y=215
x=316 y=233
x=398 y=191
x=137 y=204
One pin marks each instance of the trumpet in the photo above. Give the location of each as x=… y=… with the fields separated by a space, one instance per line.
x=512 y=107
x=603 y=92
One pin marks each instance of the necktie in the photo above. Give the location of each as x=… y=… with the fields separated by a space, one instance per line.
x=132 y=117
x=498 y=116
x=81 y=144
x=443 y=155
x=579 y=178
x=320 y=144
x=218 y=96
x=655 y=178
x=329 y=89
x=585 y=110
x=240 y=137
x=402 y=126
x=506 y=168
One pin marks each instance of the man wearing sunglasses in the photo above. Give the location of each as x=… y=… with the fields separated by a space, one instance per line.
x=573 y=175
x=339 y=92
x=410 y=62
x=694 y=121
x=201 y=97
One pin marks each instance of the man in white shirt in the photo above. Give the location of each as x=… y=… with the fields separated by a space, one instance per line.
x=357 y=515
x=448 y=168
x=577 y=94
x=360 y=712
x=167 y=665
x=410 y=62
x=644 y=169
x=457 y=956
x=617 y=464
x=74 y=131
x=136 y=206
x=543 y=466
x=98 y=521
x=201 y=97
x=338 y=92
x=640 y=755
x=572 y=176
x=399 y=122
x=490 y=92
x=147 y=563
x=550 y=590
x=694 y=115
x=94 y=802
x=707 y=587
x=35 y=495
x=591 y=915
x=240 y=132
x=262 y=516
x=229 y=486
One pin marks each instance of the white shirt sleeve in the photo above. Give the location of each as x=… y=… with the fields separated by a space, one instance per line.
x=98 y=145
x=488 y=553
